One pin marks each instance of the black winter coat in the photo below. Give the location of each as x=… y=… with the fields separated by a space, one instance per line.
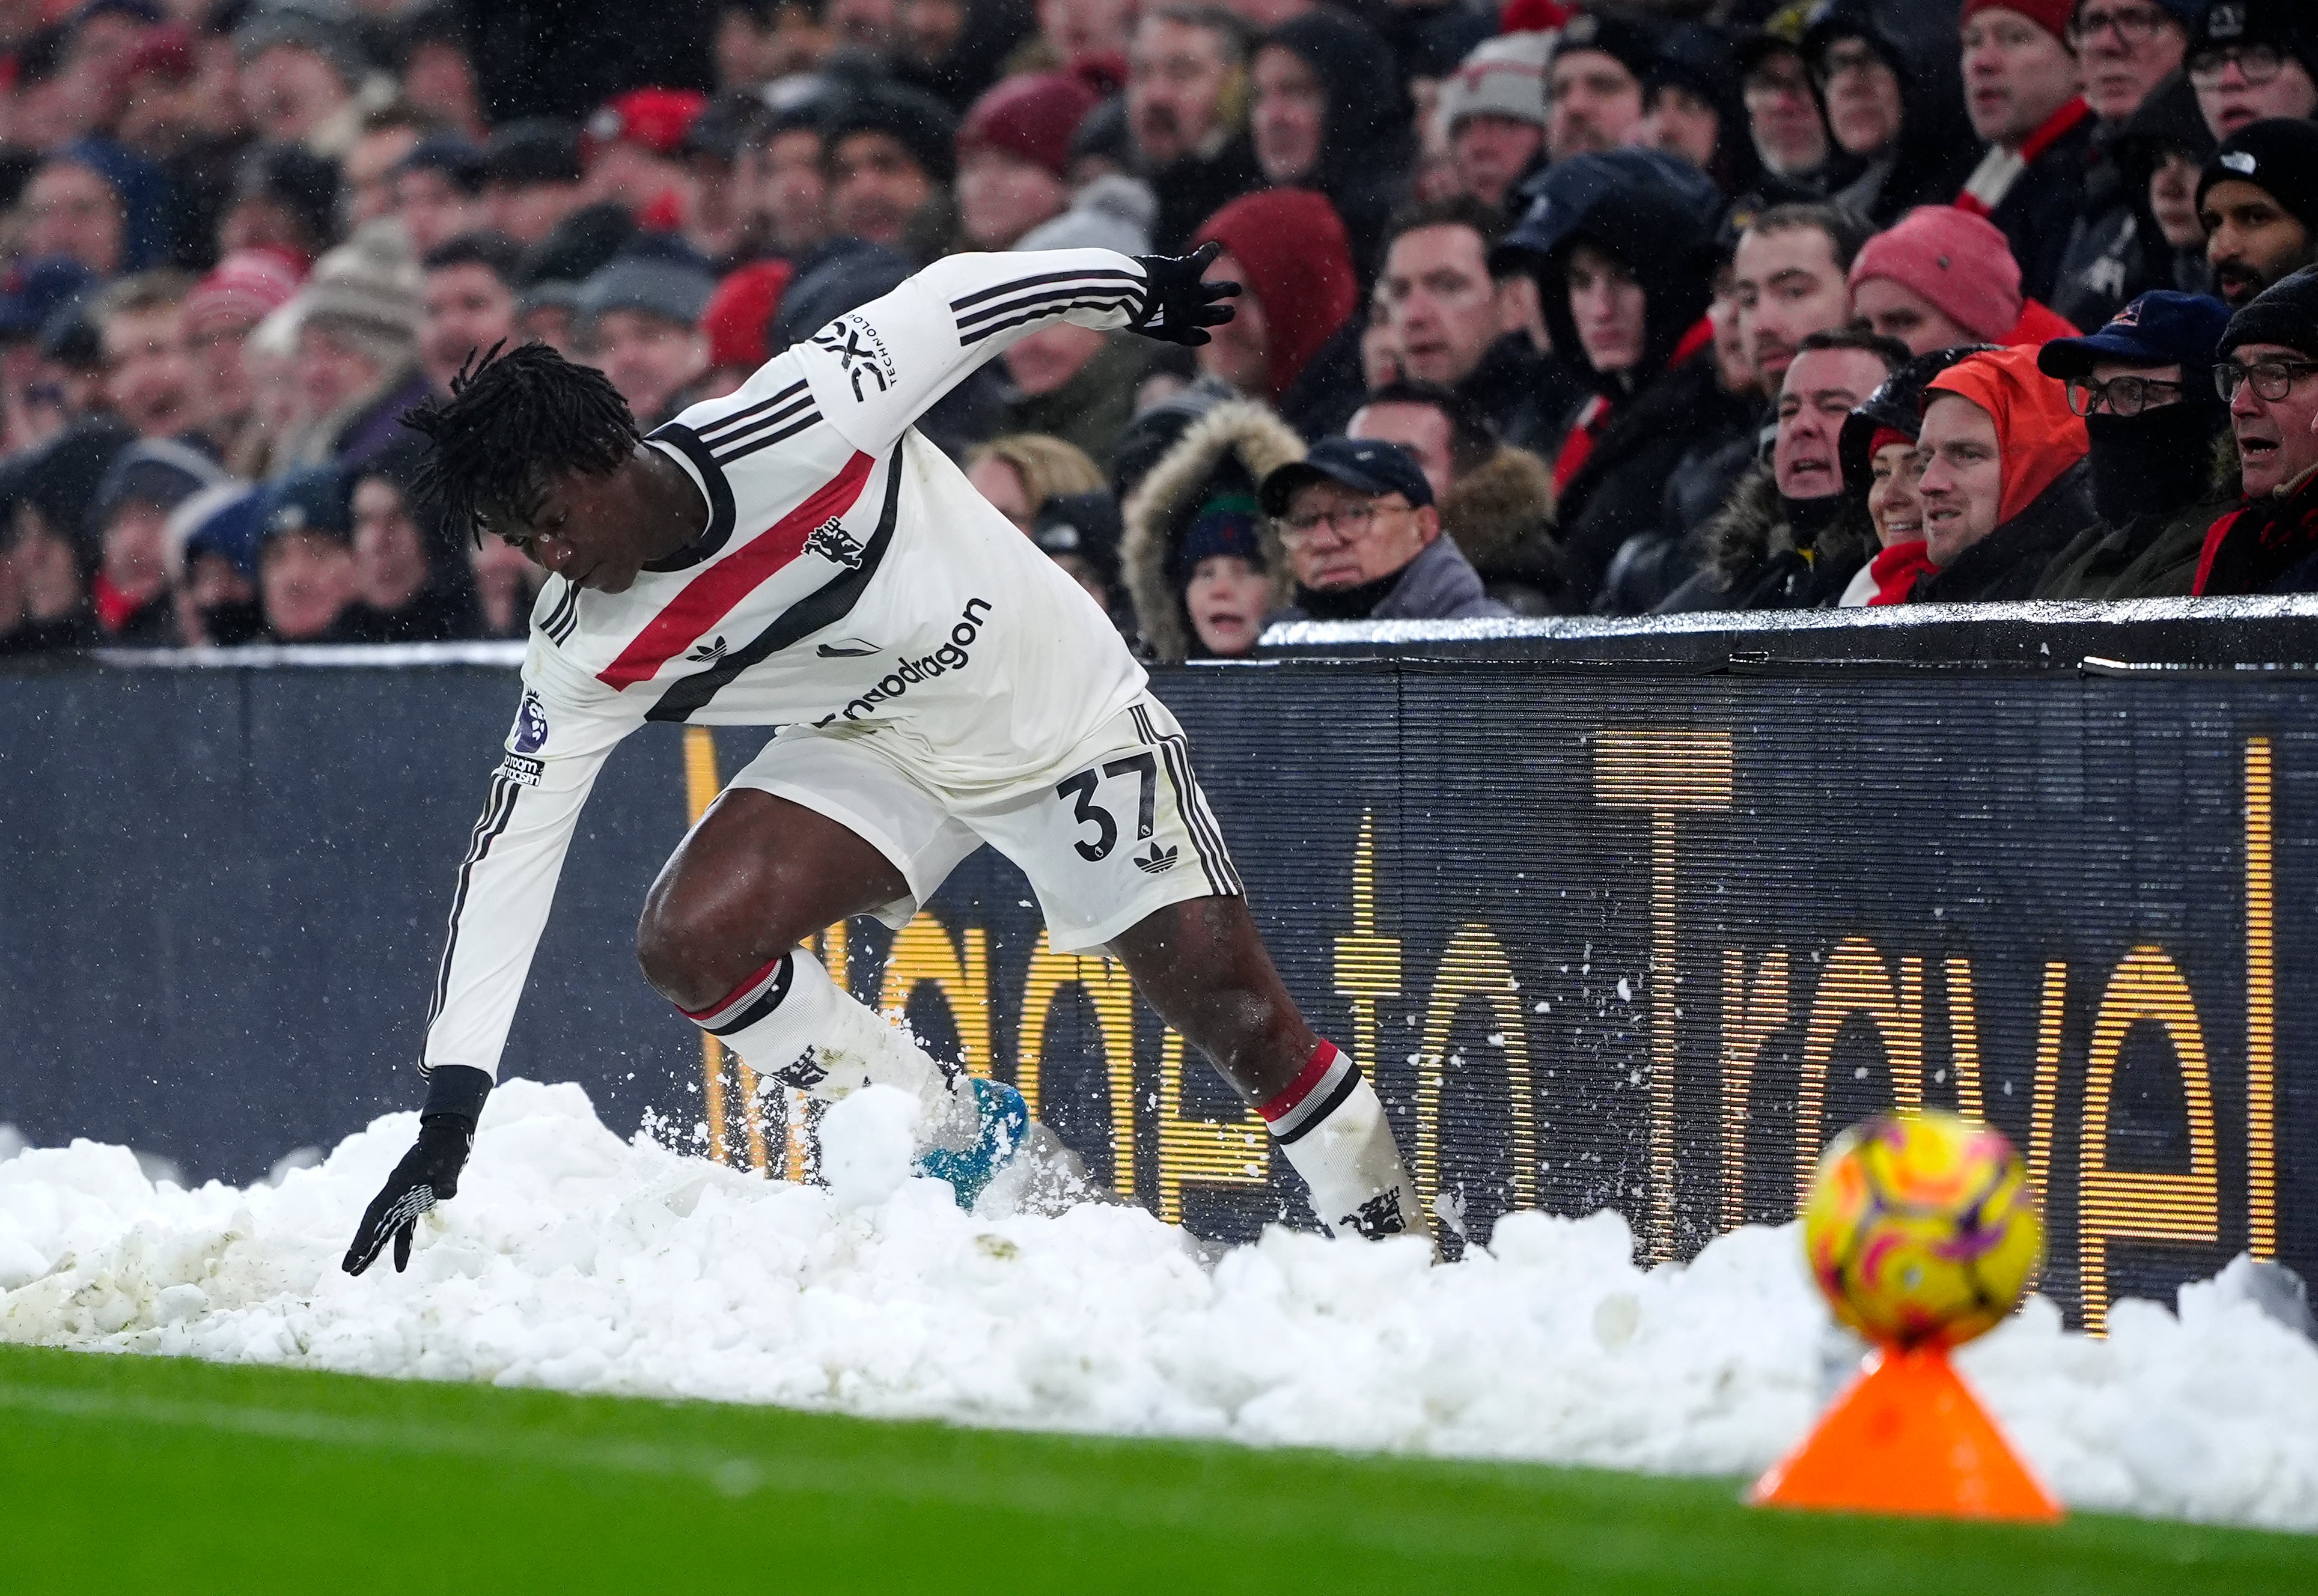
x=1620 y=491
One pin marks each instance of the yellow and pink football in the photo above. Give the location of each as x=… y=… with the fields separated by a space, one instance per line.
x=1922 y=1229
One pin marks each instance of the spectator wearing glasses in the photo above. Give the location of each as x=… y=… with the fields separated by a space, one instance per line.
x=2129 y=51
x=1885 y=108
x=2257 y=200
x=2254 y=59
x=2144 y=386
x=2268 y=371
x=1363 y=539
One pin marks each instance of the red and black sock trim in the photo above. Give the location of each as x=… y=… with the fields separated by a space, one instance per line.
x=1319 y=1089
x=748 y=1002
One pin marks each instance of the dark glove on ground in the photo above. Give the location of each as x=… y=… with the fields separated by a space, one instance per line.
x=1179 y=308
x=429 y=1173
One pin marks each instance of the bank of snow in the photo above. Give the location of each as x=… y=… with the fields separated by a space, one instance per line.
x=573 y=1259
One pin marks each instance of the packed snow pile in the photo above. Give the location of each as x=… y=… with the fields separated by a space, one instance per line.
x=573 y=1259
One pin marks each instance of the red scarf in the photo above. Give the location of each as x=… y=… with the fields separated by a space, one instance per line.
x=1896 y=568
x=1577 y=446
x=2055 y=128
x=115 y=608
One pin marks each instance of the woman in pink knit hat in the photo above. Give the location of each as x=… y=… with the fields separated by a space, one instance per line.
x=1944 y=277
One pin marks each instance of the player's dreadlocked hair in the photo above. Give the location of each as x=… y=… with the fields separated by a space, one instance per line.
x=514 y=420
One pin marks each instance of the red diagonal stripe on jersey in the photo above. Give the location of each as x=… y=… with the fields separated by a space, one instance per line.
x=710 y=596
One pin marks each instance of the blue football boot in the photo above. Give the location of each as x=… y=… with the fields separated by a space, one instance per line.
x=1005 y=1127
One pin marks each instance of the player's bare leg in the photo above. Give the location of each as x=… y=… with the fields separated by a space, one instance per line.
x=722 y=935
x=1202 y=966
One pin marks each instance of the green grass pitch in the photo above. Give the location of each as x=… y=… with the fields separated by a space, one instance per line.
x=133 y=1474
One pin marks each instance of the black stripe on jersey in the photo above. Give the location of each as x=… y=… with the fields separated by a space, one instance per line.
x=1055 y=300
x=686 y=695
x=769 y=439
x=1057 y=307
x=496 y=812
x=1207 y=837
x=732 y=445
x=724 y=423
x=1100 y=274
x=687 y=441
x=563 y=617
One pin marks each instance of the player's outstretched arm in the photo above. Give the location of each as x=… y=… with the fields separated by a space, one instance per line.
x=875 y=369
x=429 y=1173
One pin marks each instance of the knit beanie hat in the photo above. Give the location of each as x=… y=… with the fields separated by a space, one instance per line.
x=1031 y=116
x=157 y=471
x=1506 y=76
x=2286 y=24
x=1961 y=263
x=222 y=519
x=1630 y=40
x=2285 y=313
x=2052 y=15
x=368 y=293
x=657 y=119
x=653 y=279
x=243 y=289
x=1227 y=523
x=916 y=120
x=2278 y=156
x=1112 y=213
x=335 y=42
x=739 y=314
x=1292 y=246
x=535 y=149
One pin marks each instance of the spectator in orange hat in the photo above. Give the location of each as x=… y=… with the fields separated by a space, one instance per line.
x=1014 y=156
x=2004 y=487
x=738 y=316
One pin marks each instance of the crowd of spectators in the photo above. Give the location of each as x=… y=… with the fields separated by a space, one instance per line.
x=1549 y=308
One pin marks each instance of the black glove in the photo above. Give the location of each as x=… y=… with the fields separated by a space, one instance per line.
x=1177 y=307
x=429 y=1173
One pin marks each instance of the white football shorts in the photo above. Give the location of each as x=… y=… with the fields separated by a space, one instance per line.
x=1119 y=830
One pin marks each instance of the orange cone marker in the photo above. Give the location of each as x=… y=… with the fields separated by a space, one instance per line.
x=1908 y=1437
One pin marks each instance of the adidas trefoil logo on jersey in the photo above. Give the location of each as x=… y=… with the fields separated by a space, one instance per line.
x=706 y=653
x=833 y=543
x=1157 y=862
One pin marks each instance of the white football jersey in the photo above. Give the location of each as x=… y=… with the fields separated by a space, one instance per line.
x=849 y=581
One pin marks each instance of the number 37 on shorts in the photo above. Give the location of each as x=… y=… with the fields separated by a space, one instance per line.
x=1137 y=823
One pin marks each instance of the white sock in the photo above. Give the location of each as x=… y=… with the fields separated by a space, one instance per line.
x=791 y=1023
x=1332 y=1126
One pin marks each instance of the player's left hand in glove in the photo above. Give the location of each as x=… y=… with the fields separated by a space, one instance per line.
x=429 y=1173
x=1178 y=308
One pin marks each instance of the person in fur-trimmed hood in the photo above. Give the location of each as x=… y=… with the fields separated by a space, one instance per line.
x=1207 y=483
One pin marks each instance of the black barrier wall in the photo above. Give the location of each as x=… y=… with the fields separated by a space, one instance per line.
x=1639 y=935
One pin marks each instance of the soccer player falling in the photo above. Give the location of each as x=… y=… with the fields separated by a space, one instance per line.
x=795 y=555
